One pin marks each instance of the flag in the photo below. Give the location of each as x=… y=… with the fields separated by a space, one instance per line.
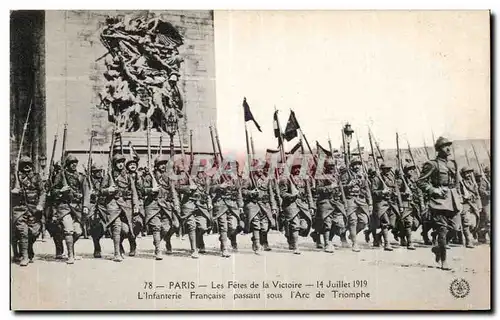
x=320 y=148
x=271 y=151
x=296 y=147
x=248 y=114
x=291 y=127
x=276 y=127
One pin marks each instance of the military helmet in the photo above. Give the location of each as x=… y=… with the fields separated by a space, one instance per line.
x=466 y=169
x=131 y=159
x=355 y=160
x=118 y=157
x=342 y=168
x=329 y=163
x=24 y=161
x=441 y=142
x=385 y=165
x=96 y=167
x=161 y=160
x=70 y=159
x=409 y=167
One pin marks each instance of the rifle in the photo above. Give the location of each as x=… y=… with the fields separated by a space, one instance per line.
x=365 y=170
x=465 y=192
x=218 y=144
x=483 y=176
x=375 y=162
x=191 y=153
x=63 y=156
x=216 y=158
x=51 y=164
x=150 y=168
x=89 y=162
x=17 y=184
x=377 y=145
x=110 y=158
x=426 y=151
x=412 y=158
x=339 y=178
x=160 y=147
x=400 y=165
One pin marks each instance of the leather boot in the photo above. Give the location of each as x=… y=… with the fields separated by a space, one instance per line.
x=367 y=235
x=328 y=244
x=468 y=238
x=31 y=251
x=256 y=242
x=444 y=263
x=70 y=247
x=58 y=243
x=437 y=253
x=410 y=245
x=168 y=242
x=97 y=247
x=200 y=241
x=223 y=244
x=234 y=243
x=15 y=251
x=117 y=246
x=193 y=244
x=352 y=236
x=133 y=245
x=263 y=238
x=343 y=240
x=385 y=235
x=156 y=243
x=376 y=238
x=295 y=242
x=23 y=248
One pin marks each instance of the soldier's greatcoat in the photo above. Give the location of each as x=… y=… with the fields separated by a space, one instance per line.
x=296 y=199
x=227 y=197
x=71 y=201
x=165 y=202
x=197 y=199
x=32 y=194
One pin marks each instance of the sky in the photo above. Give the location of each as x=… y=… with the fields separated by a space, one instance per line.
x=407 y=71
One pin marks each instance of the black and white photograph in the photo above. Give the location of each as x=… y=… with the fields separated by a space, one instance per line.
x=172 y=160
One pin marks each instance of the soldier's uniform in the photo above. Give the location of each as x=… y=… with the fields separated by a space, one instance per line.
x=331 y=211
x=412 y=200
x=70 y=200
x=439 y=179
x=471 y=205
x=259 y=208
x=297 y=204
x=121 y=202
x=162 y=207
x=97 y=218
x=485 y=219
x=196 y=209
x=227 y=200
x=28 y=203
x=386 y=209
x=359 y=201
x=138 y=215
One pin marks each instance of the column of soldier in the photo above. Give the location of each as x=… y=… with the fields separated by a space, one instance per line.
x=335 y=198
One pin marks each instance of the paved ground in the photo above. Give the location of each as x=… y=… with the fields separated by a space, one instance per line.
x=400 y=279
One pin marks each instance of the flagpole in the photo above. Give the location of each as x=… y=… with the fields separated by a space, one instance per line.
x=251 y=146
x=308 y=146
x=249 y=156
x=280 y=139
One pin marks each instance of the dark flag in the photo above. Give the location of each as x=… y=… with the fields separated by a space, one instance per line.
x=248 y=114
x=291 y=127
x=296 y=147
x=276 y=127
x=325 y=151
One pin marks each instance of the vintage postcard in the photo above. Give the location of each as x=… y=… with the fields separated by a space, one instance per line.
x=250 y=160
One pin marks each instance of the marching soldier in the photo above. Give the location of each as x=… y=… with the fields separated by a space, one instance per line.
x=471 y=205
x=297 y=206
x=70 y=202
x=196 y=208
x=386 y=209
x=359 y=201
x=28 y=203
x=121 y=202
x=161 y=205
x=259 y=207
x=137 y=221
x=330 y=207
x=439 y=179
x=485 y=194
x=97 y=211
x=228 y=206
x=412 y=200
x=54 y=228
